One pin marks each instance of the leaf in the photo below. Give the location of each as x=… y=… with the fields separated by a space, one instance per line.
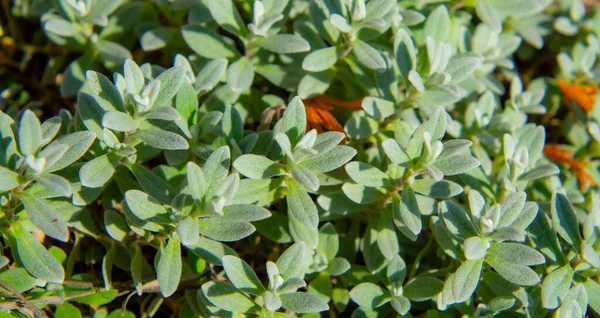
x=556 y=286
x=245 y=213
x=98 y=171
x=394 y=152
x=303 y=303
x=338 y=266
x=157 y=38
x=406 y=53
x=195 y=181
x=211 y=74
x=66 y=310
x=119 y=121
x=320 y=60
x=257 y=167
x=187 y=230
x=169 y=267
x=368 y=56
x=301 y=206
x=227 y=297
x=45 y=217
x=423 y=288
x=593 y=291
x=406 y=214
x=78 y=143
x=18 y=278
x=305 y=177
x=457 y=220
x=104 y=92
x=55 y=184
x=465 y=280
x=224 y=230
x=227 y=16
x=437 y=25
x=366 y=174
x=475 y=248
x=162 y=139
x=207 y=43
x=30 y=133
x=286 y=44
x=8 y=180
x=35 y=258
x=510 y=260
x=488 y=15
x=330 y=160
x=456 y=164
x=144 y=206
x=293 y=122
x=368 y=295
x=387 y=240
x=170 y=81
x=242 y=275
x=291 y=262
x=564 y=219
x=153 y=184
x=216 y=169
x=442 y=189
x=240 y=74
x=378 y=107
x=115 y=225
x=134 y=78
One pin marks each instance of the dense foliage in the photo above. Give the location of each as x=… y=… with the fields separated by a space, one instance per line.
x=364 y=158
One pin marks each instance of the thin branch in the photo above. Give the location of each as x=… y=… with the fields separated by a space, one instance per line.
x=25 y=303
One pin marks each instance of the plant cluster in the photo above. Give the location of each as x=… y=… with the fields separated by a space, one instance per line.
x=281 y=158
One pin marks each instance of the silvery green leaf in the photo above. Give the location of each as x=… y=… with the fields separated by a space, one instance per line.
x=462 y=67
x=508 y=234
x=245 y=213
x=387 y=240
x=564 y=219
x=115 y=225
x=338 y=266
x=511 y=260
x=462 y=284
x=415 y=79
x=340 y=23
x=368 y=295
x=291 y=262
x=396 y=271
x=300 y=232
x=313 y=84
x=454 y=147
x=144 y=206
x=366 y=174
x=512 y=205
x=242 y=275
x=456 y=164
x=271 y=300
x=327 y=140
x=157 y=38
x=35 y=258
x=539 y=172
x=45 y=217
x=565 y=26
x=119 y=121
x=303 y=303
x=77 y=143
x=359 y=11
x=320 y=60
x=437 y=25
x=216 y=169
x=112 y=51
x=378 y=107
x=360 y=126
x=170 y=81
x=286 y=44
x=133 y=77
x=8 y=180
x=328 y=241
x=488 y=14
x=232 y=125
x=301 y=206
x=456 y=219
x=163 y=139
x=406 y=53
x=240 y=74
x=207 y=43
x=256 y=167
x=293 y=122
x=50 y=128
x=61 y=27
x=556 y=286
x=394 y=152
x=475 y=248
x=412 y=17
x=168 y=269
x=211 y=74
x=423 y=288
x=30 y=133
x=55 y=183
x=305 y=177
x=227 y=16
x=225 y=296
x=376 y=9
x=368 y=56
x=361 y=194
x=330 y=160
x=442 y=189
x=400 y=304
x=407 y=216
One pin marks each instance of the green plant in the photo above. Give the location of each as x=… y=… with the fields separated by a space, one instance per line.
x=464 y=184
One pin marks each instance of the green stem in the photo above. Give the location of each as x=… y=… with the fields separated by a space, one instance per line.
x=420 y=256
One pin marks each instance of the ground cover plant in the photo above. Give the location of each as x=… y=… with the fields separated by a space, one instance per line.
x=287 y=158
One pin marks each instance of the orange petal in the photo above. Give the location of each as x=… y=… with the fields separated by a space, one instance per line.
x=584 y=95
x=565 y=156
x=353 y=105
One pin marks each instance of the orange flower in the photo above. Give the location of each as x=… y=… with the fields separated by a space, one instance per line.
x=584 y=95
x=318 y=112
x=555 y=153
